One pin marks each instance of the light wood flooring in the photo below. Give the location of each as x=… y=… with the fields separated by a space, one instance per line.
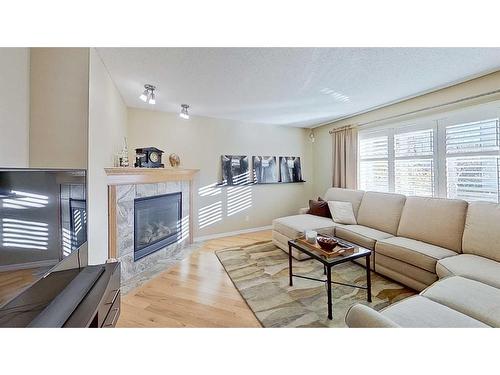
x=195 y=293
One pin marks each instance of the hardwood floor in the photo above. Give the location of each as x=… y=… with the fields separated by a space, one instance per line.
x=195 y=293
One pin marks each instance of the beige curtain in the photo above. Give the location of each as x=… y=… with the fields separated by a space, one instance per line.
x=344 y=157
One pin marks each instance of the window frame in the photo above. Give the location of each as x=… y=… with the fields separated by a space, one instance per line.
x=471 y=116
x=438 y=123
x=370 y=135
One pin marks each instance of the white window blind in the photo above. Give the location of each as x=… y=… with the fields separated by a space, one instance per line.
x=414 y=164
x=454 y=154
x=472 y=160
x=373 y=165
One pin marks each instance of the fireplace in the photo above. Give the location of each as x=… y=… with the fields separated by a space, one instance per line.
x=157 y=223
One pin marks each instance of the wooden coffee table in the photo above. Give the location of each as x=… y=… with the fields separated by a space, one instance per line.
x=328 y=263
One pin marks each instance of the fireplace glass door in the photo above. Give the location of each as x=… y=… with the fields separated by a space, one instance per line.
x=157 y=223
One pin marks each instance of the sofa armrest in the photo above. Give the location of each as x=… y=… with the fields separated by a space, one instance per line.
x=361 y=316
x=303 y=210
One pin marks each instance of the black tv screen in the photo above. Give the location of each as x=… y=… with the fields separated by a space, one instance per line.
x=43 y=217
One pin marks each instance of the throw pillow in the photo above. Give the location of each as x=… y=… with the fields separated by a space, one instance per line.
x=342 y=212
x=319 y=208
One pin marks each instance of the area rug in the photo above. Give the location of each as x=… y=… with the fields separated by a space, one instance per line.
x=260 y=273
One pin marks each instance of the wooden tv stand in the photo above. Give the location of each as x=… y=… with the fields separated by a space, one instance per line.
x=86 y=297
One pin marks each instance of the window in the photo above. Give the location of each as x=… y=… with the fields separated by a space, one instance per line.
x=472 y=162
x=374 y=165
x=454 y=156
x=401 y=162
x=414 y=163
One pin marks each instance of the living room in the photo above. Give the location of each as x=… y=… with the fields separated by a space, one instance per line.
x=254 y=186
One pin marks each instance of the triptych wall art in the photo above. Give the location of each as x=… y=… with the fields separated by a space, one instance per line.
x=265 y=170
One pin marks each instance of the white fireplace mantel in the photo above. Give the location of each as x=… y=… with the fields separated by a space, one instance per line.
x=129 y=176
x=136 y=176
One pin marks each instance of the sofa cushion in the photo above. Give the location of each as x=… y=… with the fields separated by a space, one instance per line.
x=345 y=195
x=381 y=211
x=360 y=235
x=294 y=226
x=319 y=208
x=342 y=212
x=420 y=312
x=482 y=234
x=405 y=273
x=436 y=221
x=413 y=252
x=472 y=267
x=470 y=297
x=361 y=316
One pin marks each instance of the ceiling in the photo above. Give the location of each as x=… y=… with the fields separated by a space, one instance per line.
x=288 y=86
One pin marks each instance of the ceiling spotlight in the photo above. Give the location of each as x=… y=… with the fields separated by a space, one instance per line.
x=152 y=98
x=148 y=96
x=184 y=112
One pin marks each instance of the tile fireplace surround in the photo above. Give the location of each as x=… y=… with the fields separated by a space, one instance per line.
x=127 y=184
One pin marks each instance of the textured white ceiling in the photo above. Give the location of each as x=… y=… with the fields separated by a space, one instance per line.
x=288 y=86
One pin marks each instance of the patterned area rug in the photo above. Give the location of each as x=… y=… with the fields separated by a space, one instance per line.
x=260 y=273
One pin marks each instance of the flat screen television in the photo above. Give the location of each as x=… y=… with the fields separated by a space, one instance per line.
x=43 y=224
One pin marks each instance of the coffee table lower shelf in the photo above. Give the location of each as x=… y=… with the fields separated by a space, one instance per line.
x=328 y=263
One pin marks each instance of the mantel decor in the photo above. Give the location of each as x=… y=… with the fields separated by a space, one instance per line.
x=148 y=157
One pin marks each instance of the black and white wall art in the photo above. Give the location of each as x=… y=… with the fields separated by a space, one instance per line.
x=290 y=169
x=265 y=169
x=235 y=169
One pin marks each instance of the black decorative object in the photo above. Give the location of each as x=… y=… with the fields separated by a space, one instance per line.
x=235 y=169
x=148 y=157
x=265 y=169
x=290 y=169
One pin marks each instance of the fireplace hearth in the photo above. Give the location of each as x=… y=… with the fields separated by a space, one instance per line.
x=157 y=223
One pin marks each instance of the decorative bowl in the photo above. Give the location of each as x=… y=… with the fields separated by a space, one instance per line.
x=326 y=243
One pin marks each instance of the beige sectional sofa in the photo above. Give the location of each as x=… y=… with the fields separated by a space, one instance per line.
x=446 y=248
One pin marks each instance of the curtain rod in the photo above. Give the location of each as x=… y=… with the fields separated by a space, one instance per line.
x=420 y=110
x=335 y=130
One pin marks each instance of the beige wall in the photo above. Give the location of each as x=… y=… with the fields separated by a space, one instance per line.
x=59 y=107
x=107 y=129
x=14 y=107
x=201 y=141
x=322 y=163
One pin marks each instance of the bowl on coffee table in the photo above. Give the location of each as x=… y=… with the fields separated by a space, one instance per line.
x=327 y=243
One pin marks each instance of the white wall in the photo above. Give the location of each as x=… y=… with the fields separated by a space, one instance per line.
x=59 y=107
x=107 y=129
x=201 y=141
x=14 y=107
x=322 y=149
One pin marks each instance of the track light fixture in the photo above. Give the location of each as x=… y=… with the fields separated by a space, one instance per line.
x=184 y=112
x=148 y=96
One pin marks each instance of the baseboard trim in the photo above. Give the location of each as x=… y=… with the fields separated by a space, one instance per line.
x=234 y=233
x=23 y=266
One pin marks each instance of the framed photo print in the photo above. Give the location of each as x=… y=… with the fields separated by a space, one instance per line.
x=290 y=169
x=265 y=169
x=235 y=169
